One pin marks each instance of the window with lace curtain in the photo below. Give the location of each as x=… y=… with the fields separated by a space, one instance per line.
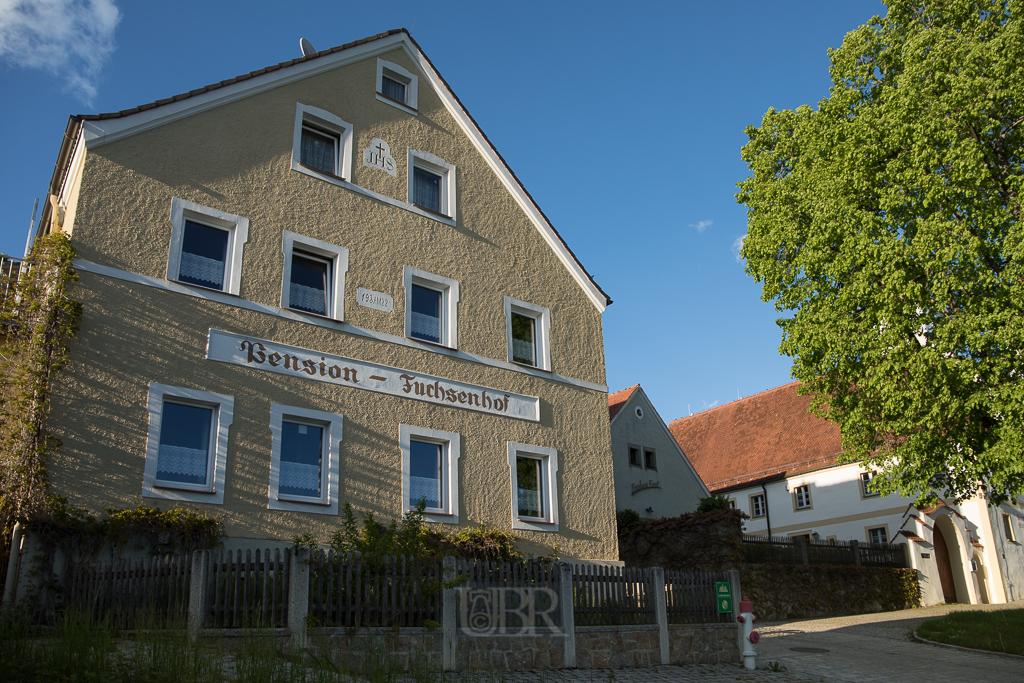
x=186 y=449
x=431 y=307
x=206 y=246
x=314 y=276
x=430 y=473
x=304 y=455
x=527 y=333
x=431 y=184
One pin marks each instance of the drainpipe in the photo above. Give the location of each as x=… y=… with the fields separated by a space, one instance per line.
x=767 y=513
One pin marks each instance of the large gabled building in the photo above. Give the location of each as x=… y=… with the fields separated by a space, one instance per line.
x=781 y=465
x=320 y=283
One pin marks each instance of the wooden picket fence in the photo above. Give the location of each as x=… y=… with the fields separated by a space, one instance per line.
x=690 y=597
x=133 y=592
x=515 y=592
x=612 y=596
x=354 y=590
x=248 y=590
x=784 y=550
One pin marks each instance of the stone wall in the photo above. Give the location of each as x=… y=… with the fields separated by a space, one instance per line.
x=617 y=647
x=406 y=649
x=703 y=644
x=708 y=541
x=511 y=652
x=824 y=590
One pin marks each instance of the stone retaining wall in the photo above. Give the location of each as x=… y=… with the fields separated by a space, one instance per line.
x=703 y=643
x=617 y=647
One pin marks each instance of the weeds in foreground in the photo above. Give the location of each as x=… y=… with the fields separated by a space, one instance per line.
x=775 y=667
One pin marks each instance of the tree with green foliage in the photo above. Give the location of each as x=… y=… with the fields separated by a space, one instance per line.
x=885 y=225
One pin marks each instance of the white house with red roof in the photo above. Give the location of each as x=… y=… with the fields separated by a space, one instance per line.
x=652 y=475
x=781 y=465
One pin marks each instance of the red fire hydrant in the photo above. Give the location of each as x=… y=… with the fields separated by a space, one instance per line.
x=750 y=636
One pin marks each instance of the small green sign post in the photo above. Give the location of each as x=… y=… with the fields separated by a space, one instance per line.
x=723 y=595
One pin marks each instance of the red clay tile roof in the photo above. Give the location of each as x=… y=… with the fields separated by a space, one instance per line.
x=756 y=438
x=618 y=399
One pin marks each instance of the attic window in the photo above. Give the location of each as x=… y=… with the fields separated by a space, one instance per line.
x=321 y=145
x=396 y=86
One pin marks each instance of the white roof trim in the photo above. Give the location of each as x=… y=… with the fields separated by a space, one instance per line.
x=108 y=130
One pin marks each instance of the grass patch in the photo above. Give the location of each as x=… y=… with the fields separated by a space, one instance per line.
x=998 y=631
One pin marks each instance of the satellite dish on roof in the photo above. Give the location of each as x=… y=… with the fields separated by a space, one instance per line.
x=306 y=47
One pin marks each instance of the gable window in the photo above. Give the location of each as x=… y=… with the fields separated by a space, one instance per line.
x=802 y=497
x=397 y=86
x=431 y=184
x=304 y=463
x=206 y=246
x=534 y=493
x=634 y=456
x=865 y=480
x=321 y=144
x=186 y=450
x=430 y=473
x=314 y=276
x=431 y=307
x=757 y=506
x=528 y=333
x=878 y=536
x=650 y=459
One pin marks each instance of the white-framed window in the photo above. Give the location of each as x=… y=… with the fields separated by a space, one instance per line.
x=397 y=86
x=534 y=487
x=430 y=472
x=322 y=144
x=304 y=456
x=878 y=535
x=431 y=307
x=865 y=491
x=187 y=445
x=528 y=332
x=757 y=507
x=314 y=276
x=802 y=497
x=206 y=246
x=431 y=183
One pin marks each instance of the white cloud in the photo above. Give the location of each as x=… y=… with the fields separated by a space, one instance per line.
x=736 y=246
x=71 y=39
x=702 y=225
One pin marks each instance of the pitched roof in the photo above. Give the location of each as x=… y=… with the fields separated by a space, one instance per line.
x=618 y=399
x=76 y=121
x=757 y=437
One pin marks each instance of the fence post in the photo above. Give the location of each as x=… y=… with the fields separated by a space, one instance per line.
x=298 y=596
x=907 y=561
x=801 y=549
x=734 y=583
x=855 y=549
x=13 y=565
x=198 y=601
x=660 y=612
x=568 y=616
x=449 y=625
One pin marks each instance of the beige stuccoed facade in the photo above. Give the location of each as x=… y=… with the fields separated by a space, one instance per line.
x=231 y=150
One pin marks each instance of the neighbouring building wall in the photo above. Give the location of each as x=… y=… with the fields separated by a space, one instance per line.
x=1008 y=524
x=668 y=488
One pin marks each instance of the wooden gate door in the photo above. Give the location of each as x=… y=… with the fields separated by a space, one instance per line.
x=945 y=570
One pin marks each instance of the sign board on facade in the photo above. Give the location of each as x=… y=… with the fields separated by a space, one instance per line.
x=723 y=596
x=375 y=300
x=261 y=354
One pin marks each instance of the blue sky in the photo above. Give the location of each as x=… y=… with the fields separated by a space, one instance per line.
x=624 y=121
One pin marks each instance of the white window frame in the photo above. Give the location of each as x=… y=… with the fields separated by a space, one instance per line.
x=438 y=166
x=338 y=256
x=753 y=506
x=883 y=528
x=449 y=304
x=864 y=493
x=238 y=234
x=213 y=491
x=320 y=118
x=451 y=451
x=327 y=503
x=400 y=74
x=541 y=331
x=549 y=487
x=796 y=497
